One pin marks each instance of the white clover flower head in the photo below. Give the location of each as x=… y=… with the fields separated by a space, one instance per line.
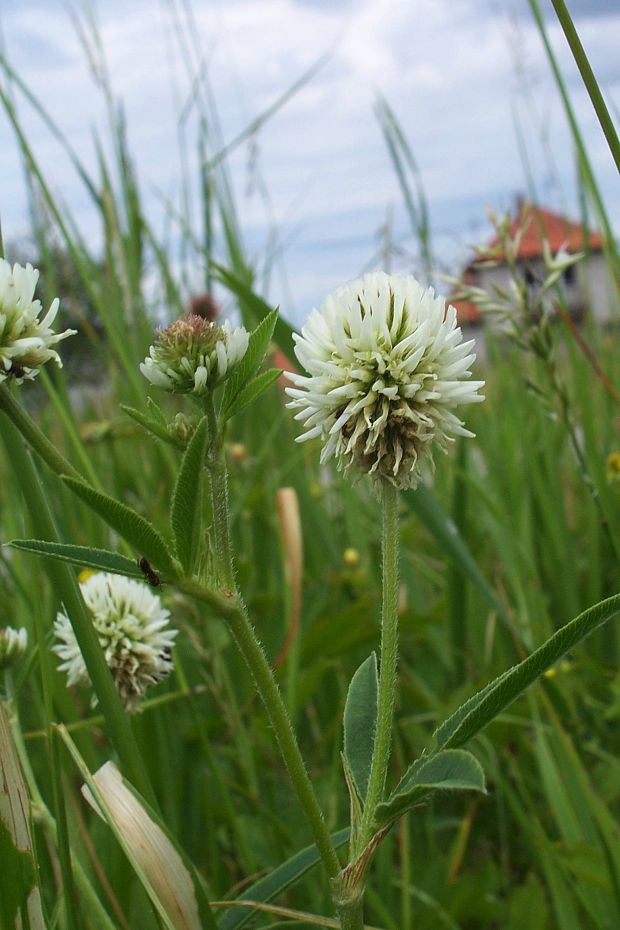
x=386 y=365
x=133 y=630
x=193 y=355
x=25 y=340
x=13 y=645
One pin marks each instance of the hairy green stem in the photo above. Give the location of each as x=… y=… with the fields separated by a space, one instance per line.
x=387 y=669
x=219 y=498
x=351 y=912
x=352 y=916
x=256 y=660
x=252 y=651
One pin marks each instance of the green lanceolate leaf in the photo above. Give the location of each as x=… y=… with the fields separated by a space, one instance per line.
x=130 y=525
x=360 y=722
x=156 y=411
x=154 y=427
x=251 y=361
x=497 y=695
x=449 y=770
x=186 y=509
x=252 y=391
x=254 y=308
x=99 y=559
x=282 y=877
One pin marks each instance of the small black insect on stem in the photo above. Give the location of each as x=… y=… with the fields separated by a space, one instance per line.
x=151 y=576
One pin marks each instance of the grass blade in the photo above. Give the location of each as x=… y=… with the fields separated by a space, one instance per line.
x=496 y=696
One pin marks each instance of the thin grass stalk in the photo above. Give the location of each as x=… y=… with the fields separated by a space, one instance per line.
x=589 y=80
x=114 y=336
x=584 y=162
x=67 y=590
x=457 y=593
x=34 y=436
x=63 y=845
x=64 y=415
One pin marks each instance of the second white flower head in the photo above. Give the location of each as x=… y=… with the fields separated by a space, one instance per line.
x=25 y=340
x=133 y=629
x=386 y=364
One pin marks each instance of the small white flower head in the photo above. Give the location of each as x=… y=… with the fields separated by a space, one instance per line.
x=13 y=645
x=25 y=340
x=386 y=366
x=193 y=355
x=133 y=630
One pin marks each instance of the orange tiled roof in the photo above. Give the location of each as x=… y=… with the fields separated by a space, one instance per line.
x=541 y=224
x=466 y=311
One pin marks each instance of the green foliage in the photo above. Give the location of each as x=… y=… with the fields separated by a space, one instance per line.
x=255 y=309
x=497 y=695
x=278 y=880
x=18 y=880
x=531 y=550
x=245 y=371
x=141 y=534
x=186 y=515
x=448 y=770
x=152 y=425
x=84 y=556
x=360 y=722
x=251 y=391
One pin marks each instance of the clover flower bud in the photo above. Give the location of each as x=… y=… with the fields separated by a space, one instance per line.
x=193 y=355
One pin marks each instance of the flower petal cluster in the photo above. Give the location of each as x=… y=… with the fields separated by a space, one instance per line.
x=13 y=644
x=25 y=340
x=193 y=355
x=386 y=366
x=133 y=630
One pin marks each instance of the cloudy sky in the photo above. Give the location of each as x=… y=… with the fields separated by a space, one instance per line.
x=458 y=74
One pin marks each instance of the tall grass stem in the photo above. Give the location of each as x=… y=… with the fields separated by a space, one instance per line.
x=67 y=590
x=587 y=74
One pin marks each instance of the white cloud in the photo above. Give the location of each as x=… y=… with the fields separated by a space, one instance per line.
x=447 y=68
